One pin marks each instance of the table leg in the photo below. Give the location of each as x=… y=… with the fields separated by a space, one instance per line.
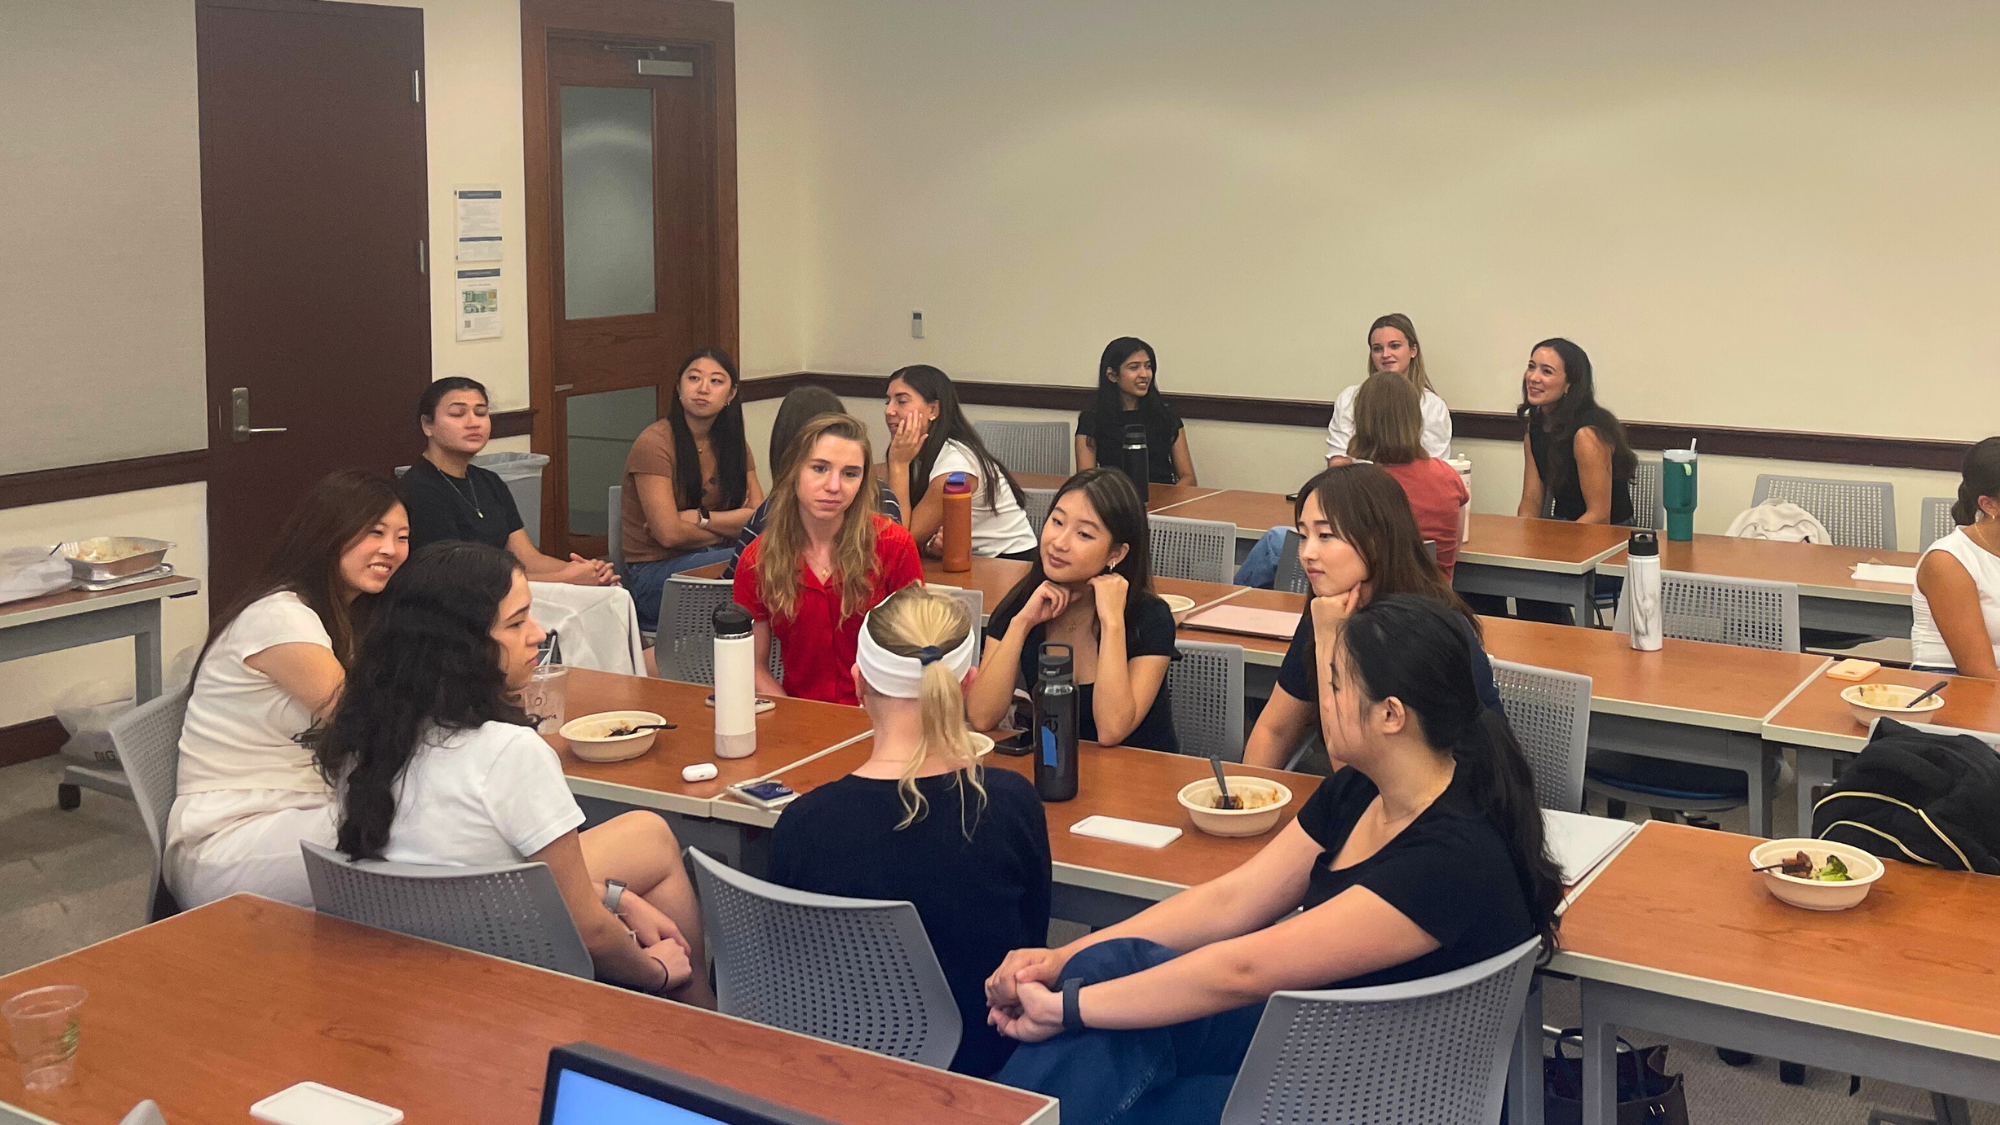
x=146 y=654
x=1524 y=1072
x=1815 y=767
x=1759 y=790
x=1583 y=600
x=1600 y=1065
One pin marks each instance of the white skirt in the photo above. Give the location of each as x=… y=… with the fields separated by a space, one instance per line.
x=226 y=841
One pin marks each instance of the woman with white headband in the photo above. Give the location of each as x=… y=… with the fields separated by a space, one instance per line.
x=921 y=821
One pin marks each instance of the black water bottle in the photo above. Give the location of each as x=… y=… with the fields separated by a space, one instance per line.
x=1137 y=461
x=1055 y=723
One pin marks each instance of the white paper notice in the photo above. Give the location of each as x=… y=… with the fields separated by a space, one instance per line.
x=478 y=221
x=478 y=304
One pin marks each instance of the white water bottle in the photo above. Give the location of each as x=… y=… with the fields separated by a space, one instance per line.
x=1463 y=465
x=1642 y=591
x=735 y=684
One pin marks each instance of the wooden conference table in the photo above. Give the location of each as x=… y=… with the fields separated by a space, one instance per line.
x=1159 y=497
x=1830 y=597
x=1676 y=936
x=213 y=1010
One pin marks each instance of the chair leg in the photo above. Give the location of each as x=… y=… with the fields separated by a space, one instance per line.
x=1614 y=809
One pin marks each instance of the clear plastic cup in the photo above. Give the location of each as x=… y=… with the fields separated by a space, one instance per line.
x=46 y=1024
x=547 y=693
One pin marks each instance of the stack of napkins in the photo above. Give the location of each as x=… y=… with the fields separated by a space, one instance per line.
x=1882 y=572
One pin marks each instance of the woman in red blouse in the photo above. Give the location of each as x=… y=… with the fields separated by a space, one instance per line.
x=1388 y=430
x=823 y=561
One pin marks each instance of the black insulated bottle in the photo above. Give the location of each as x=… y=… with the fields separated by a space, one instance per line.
x=1055 y=723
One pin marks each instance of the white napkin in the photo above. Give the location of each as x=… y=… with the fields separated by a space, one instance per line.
x=1882 y=572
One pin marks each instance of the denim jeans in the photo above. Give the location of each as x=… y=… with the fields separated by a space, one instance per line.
x=1177 y=1075
x=1260 y=566
x=647 y=581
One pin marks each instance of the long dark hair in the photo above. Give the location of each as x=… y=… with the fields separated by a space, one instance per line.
x=430 y=663
x=1370 y=511
x=1109 y=435
x=1408 y=647
x=732 y=450
x=1576 y=409
x=934 y=386
x=801 y=405
x=1112 y=493
x=427 y=403
x=340 y=509
x=1979 y=475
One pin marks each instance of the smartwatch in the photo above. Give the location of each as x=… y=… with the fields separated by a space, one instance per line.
x=1072 y=1016
x=613 y=891
x=704 y=518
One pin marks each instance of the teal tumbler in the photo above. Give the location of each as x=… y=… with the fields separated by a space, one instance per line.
x=1678 y=492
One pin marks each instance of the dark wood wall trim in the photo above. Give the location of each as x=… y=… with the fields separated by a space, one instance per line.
x=1783 y=445
x=76 y=482
x=36 y=738
x=513 y=423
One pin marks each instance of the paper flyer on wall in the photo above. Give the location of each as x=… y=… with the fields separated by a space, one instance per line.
x=478 y=222
x=478 y=304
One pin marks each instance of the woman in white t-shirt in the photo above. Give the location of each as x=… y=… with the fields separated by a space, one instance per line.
x=1956 y=627
x=439 y=765
x=1392 y=346
x=272 y=668
x=930 y=438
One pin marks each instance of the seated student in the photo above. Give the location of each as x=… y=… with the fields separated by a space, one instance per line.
x=437 y=764
x=1392 y=347
x=825 y=560
x=920 y=821
x=1091 y=588
x=801 y=405
x=690 y=483
x=273 y=665
x=1358 y=542
x=1424 y=856
x=1388 y=430
x=1127 y=395
x=930 y=437
x=1957 y=600
x=449 y=497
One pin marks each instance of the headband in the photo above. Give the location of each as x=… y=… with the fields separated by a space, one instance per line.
x=902 y=677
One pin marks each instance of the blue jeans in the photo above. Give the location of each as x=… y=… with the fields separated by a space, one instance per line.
x=1260 y=566
x=1177 y=1075
x=647 y=581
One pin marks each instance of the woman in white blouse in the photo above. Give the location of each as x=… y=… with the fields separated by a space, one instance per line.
x=929 y=439
x=1392 y=346
x=274 y=664
x=1956 y=627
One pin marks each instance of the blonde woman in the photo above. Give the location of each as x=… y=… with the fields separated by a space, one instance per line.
x=1392 y=347
x=920 y=821
x=823 y=561
x=1389 y=430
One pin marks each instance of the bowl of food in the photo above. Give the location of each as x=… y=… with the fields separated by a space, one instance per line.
x=1869 y=702
x=611 y=736
x=1816 y=874
x=1255 y=809
x=1179 y=604
x=113 y=556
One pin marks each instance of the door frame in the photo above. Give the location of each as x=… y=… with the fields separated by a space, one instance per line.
x=706 y=24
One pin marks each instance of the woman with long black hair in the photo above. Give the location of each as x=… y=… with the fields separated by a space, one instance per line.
x=1576 y=450
x=931 y=438
x=1128 y=394
x=436 y=763
x=1423 y=856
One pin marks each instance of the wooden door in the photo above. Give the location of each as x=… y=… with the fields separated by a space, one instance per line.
x=631 y=251
x=314 y=233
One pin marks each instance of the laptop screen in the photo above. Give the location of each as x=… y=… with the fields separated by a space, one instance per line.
x=583 y=1100
x=592 y=1085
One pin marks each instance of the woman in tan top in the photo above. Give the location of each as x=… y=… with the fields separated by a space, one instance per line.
x=690 y=483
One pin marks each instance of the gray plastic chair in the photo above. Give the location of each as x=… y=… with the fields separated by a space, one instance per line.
x=1731 y=611
x=685 y=646
x=1205 y=687
x=148 y=741
x=1291 y=577
x=513 y=911
x=1936 y=521
x=1028 y=447
x=975 y=604
x=856 y=971
x=1857 y=513
x=1040 y=500
x=1204 y=550
x=1550 y=714
x=1417 y=1053
x=1649 y=507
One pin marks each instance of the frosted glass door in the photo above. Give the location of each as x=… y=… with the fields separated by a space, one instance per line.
x=607 y=201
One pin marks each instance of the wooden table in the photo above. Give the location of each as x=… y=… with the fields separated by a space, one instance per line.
x=993 y=578
x=1819 y=727
x=1158 y=496
x=214 y=1009
x=1829 y=595
x=1676 y=936
x=74 y=618
x=1253 y=513
x=1545 y=560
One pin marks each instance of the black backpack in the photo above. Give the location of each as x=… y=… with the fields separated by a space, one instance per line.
x=1922 y=798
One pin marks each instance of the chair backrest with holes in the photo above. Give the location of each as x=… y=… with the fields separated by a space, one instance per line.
x=1649 y=507
x=1040 y=500
x=1730 y=611
x=1205 y=689
x=1291 y=577
x=1936 y=521
x=1550 y=714
x=1204 y=550
x=1857 y=513
x=1028 y=447
x=148 y=741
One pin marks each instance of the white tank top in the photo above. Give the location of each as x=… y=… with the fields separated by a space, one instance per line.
x=1926 y=643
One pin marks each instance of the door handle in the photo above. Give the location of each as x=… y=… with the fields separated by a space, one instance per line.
x=240 y=428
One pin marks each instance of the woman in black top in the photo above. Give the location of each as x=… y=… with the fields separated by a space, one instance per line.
x=920 y=821
x=1575 y=449
x=1128 y=395
x=1424 y=856
x=1091 y=587
x=449 y=497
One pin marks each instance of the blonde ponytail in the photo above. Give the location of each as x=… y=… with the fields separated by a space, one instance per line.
x=909 y=620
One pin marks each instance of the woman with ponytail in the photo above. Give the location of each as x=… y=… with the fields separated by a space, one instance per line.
x=920 y=821
x=1423 y=856
x=1957 y=600
x=435 y=763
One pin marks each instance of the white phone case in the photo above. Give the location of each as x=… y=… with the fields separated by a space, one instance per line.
x=1126 y=831
x=310 y=1103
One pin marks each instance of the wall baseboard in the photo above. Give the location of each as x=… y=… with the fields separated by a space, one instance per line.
x=37 y=738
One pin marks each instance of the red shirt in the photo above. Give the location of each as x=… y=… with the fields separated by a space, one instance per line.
x=818 y=645
x=1436 y=493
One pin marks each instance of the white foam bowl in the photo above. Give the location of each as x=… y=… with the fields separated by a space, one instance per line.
x=982 y=744
x=1894 y=707
x=1812 y=894
x=1198 y=798
x=1179 y=604
x=590 y=736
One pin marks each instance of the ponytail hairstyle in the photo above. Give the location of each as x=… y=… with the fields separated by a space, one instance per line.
x=1388 y=421
x=1109 y=435
x=908 y=621
x=1979 y=476
x=429 y=664
x=1401 y=323
x=784 y=538
x=1409 y=648
x=732 y=449
x=951 y=424
x=1576 y=409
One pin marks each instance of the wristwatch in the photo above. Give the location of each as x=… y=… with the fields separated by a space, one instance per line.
x=1072 y=1016
x=613 y=891
x=704 y=518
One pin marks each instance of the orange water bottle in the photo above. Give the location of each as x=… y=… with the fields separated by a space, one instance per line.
x=957 y=522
